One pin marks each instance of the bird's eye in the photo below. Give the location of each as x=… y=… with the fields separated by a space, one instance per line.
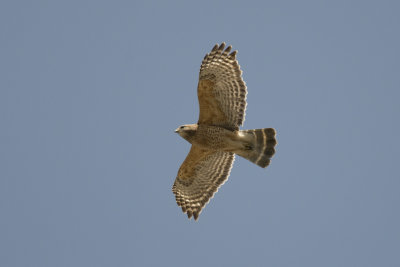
x=182 y=127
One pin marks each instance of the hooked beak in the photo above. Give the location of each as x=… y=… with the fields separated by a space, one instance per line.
x=176 y=131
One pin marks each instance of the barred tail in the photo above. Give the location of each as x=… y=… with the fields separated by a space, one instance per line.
x=259 y=145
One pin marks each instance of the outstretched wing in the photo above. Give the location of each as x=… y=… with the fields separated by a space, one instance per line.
x=199 y=178
x=221 y=89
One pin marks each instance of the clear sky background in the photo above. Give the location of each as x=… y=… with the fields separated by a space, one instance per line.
x=90 y=95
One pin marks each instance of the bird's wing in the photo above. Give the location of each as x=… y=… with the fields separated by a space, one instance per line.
x=221 y=89
x=199 y=177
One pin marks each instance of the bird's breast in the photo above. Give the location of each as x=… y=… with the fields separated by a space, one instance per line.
x=213 y=137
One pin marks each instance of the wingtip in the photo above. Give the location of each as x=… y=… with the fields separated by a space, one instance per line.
x=221 y=49
x=214 y=48
x=227 y=50
x=189 y=214
x=233 y=54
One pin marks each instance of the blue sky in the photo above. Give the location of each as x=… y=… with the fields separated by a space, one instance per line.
x=91 y=92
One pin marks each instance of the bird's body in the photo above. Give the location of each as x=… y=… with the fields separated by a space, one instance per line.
x=255 y=145
x=210 y=137
x=216 y=137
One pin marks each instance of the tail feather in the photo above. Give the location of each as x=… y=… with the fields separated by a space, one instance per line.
x=259 y=145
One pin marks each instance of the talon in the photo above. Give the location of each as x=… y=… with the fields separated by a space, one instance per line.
x=248 y=147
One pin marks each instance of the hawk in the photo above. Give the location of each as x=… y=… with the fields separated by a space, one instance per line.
x=216 y=137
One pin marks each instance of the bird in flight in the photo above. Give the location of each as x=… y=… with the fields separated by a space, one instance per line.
x=216 y=137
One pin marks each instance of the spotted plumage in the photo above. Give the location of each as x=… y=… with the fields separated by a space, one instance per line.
x=216 y=137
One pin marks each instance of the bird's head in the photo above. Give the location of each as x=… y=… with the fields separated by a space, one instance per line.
x=187 y=130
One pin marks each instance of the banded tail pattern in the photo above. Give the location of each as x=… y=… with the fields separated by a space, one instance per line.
x=259 y=145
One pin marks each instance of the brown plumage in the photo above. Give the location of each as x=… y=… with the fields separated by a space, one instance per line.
x=216 y=137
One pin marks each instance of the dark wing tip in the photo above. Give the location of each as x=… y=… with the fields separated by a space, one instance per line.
x=189 y=214
x=214 y=48
x=221 y=47
x=233 y=54
x=227 y=50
